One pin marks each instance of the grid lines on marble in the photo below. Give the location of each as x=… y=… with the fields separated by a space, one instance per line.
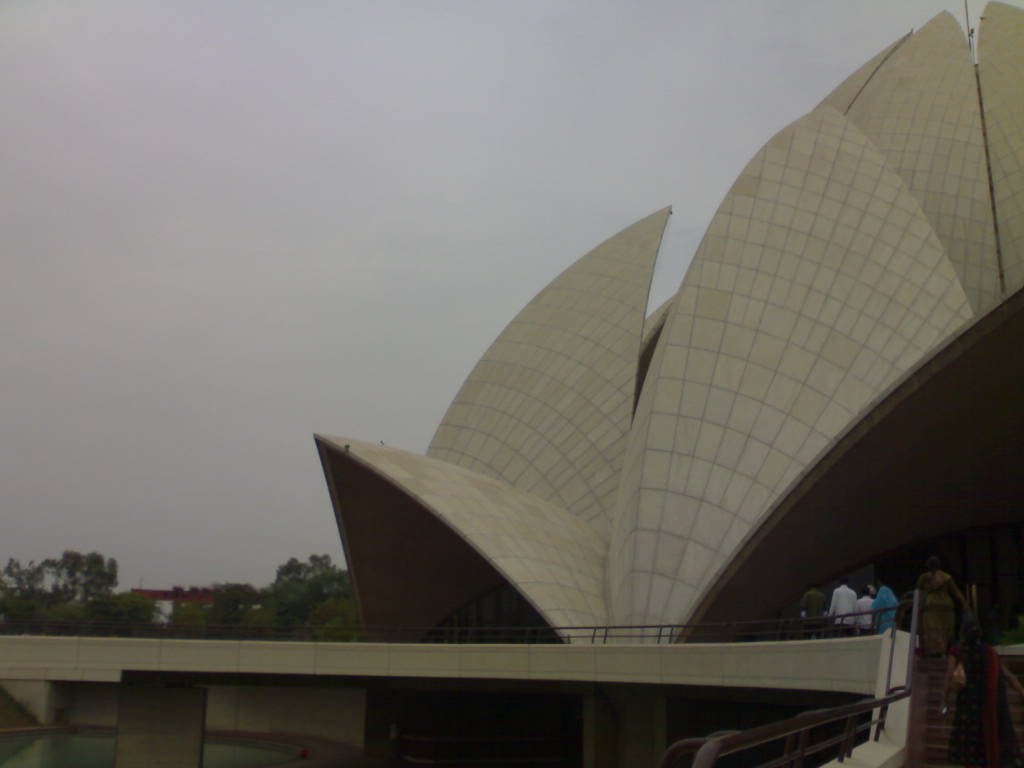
x=554 y=559
x=1001 y=71
x=548 y=406
x=819 y=281
x=844 y=94
x=655 y=321
x=921 y=109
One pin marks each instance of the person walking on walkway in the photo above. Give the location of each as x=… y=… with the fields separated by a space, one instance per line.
x=865 y=620
x=844 y=603
x=885 y=602
x=982 y=734
x=812 y=606
x=938 y=615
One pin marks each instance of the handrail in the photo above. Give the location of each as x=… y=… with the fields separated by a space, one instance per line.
x=796 y=730
x=737 y=631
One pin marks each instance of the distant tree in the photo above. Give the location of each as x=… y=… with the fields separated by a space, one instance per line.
x=75 y=576
x=24 y=581
x=300 y=587
x=311 y=597
x=259 y=620
x=60 y=590
x=125 y=608
x=231 y=602
x=189 y=615
x=335 y=619
x=67 y=613
x=21 y=609
x=21 y=592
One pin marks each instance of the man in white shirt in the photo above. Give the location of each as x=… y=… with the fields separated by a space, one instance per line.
x=844 y=602
x=865 y=621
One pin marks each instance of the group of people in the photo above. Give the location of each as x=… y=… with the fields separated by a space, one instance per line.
x=975 y=692
x=873 y=611
x=976 y=679
x=976 y=684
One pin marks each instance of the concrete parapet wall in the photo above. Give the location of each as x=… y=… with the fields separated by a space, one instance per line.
x=848 y=664
x=890 y=750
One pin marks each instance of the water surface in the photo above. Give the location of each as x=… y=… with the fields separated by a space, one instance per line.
x=64 y=750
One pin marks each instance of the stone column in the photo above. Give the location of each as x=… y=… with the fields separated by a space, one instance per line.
x=600 y=746
x=640 y=725
x=160 y=727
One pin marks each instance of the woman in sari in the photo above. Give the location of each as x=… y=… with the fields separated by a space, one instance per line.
x=938 y=615
x=982 y=733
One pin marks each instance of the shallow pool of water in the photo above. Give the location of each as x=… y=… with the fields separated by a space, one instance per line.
x=64 y=750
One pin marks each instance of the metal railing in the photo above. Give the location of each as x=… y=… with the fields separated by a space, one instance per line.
x=838 y=728
x=719 y=632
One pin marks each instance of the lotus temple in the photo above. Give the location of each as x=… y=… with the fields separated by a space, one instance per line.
x=836 y=386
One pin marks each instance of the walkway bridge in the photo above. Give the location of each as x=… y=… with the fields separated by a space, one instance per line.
x=616 y=687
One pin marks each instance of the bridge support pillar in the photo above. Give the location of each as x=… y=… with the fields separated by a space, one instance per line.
x=599 y=737
x=640 y=725
x=160 y=727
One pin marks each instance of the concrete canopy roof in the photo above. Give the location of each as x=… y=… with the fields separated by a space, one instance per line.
x=423 y=537
x=829 y=316
x=939 y=452
x=920 y=109
x=819 y=281
x=842 y=98
x=1001 y=75
x=548 y=406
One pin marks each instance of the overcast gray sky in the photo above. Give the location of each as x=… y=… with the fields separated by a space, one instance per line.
x=226 y=225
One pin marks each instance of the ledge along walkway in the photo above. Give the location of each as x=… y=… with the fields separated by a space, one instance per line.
x=928 y=742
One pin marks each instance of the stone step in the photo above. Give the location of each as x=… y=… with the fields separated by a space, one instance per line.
x=931 y=673
x=936 y=752
x=934 y=710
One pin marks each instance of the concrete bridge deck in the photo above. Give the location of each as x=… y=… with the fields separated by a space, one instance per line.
x=849 y=664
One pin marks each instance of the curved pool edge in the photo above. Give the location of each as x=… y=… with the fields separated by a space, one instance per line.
x=321 y=753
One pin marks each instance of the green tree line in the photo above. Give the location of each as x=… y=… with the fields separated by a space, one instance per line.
x=311 y=599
